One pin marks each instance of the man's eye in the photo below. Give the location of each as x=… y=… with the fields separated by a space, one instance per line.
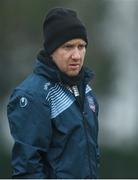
x=68 y=46
x=82 y=46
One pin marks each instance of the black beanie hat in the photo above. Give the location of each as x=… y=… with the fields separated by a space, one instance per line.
x=60 y=26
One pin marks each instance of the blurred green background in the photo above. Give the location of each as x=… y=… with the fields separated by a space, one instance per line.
x=111 y=54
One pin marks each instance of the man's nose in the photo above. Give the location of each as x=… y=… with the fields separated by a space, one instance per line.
x=76 y=54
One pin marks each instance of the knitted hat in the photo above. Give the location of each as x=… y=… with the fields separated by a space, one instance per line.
x=60 y=26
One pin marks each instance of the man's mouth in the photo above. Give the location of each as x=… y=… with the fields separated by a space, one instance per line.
x=74 y=66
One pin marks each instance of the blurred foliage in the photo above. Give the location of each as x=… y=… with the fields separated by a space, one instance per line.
x=20 y=36
x=119 y=164
x=5 y=167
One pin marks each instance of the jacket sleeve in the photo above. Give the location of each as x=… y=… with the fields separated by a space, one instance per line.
x=97 y=146
x=30 y=125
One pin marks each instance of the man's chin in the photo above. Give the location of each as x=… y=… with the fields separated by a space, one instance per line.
x=73 y=73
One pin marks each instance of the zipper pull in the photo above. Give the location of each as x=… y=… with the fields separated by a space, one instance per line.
x=75 y=91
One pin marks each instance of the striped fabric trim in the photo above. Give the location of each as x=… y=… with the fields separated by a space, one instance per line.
x=88 y=89
x=60 y=99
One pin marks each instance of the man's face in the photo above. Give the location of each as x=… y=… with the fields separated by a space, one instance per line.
x=70 y=56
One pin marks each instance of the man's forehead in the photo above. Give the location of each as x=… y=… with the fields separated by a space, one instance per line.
x=76 y=41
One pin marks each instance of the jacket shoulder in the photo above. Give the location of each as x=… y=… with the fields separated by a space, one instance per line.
x=34 y=85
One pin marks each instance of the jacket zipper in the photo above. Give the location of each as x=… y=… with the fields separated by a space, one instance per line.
x=81 y=107
x=86 y=135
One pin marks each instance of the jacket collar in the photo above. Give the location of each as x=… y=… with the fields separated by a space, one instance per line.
x=47 y=68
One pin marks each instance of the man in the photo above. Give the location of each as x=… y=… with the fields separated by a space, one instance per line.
x=53 y=113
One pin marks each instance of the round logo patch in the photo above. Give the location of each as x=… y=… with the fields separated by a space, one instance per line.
x=23 y=101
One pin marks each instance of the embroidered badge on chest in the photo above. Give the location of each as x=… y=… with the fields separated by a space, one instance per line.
x=91 y=103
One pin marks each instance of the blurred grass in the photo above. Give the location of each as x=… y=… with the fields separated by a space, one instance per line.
x=5 y=167
x=116 y=164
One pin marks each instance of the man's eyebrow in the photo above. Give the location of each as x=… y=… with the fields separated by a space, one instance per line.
x=68 y=44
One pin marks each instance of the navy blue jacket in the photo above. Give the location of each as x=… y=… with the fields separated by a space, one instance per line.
x=53 y=136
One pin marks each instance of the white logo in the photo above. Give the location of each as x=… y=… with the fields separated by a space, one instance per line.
x=23 y=101
x=46 y=85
